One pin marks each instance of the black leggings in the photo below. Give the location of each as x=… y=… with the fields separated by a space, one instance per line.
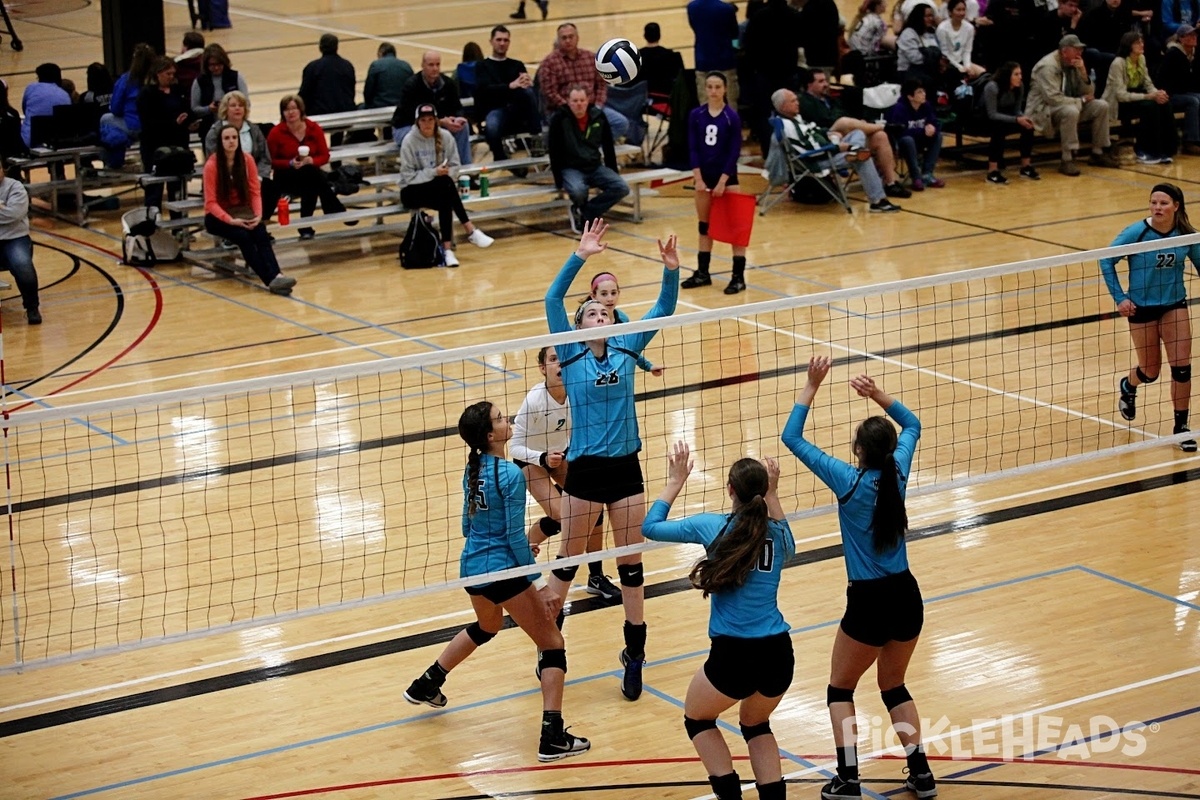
x=996 y=143
x=440 y=194
x=310 y=183
x=255 y=245
x=1155 y=129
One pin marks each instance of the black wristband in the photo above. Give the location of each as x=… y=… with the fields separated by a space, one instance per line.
x=542 y=461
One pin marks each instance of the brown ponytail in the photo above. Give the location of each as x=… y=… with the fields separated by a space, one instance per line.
x=736 y=551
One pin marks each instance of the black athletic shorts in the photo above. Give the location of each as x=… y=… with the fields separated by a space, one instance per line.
x=738 y=668
x=884 y=610
x=600 y=479
x=501 y=591
x=523 y=464
x=711 y=179
x=1154 y=313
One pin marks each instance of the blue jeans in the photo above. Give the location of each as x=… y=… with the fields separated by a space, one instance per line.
x=16 y=256
x=462 y=139
x=519 y=116
x=616 y=121
x=1189 y=102
x=911 y=145
x=868 y=176
x=577 y=182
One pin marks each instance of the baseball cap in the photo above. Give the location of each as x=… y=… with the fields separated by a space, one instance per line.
x=1184 y=30
x=425 y=110
x=1070 y=40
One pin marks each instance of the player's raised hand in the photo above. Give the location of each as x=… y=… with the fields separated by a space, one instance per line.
x=679 y=464
x=589 y=241
x=863 y=384
x=818 y=368
x=772 y=467
x=669 y=252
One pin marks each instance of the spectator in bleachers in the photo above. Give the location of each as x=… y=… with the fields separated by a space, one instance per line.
x=504 y=97
x=1179 y=12
x=431 y=87
x=301 y=175
x=99 y=87
x=189 y=64
x=11 y=143
x=121 y=126
x=41 y=97
x=16 y=248
x=167 y=121
x=1004 y=40
x=715 y=25
x=903 y=9
x=914 y=126
x=819 y=107
x=464 y=73
x=820 y=25
x=218 y=14
x=569 y=64
x=234 y=111
x=1179 y=77
x=972 y=16
x=218 y=79
x=1101 y=28
x=1004 y=104
x=385 y=78
x=869 y=30
x=1132 y=94
x=956 y=38
x=660 y=65
x=234 y=205
x=771 y=50
x=544 y=5
x=583 y=157
x=327 y=84
x=428 y=171
x=1049 y=26
x=917 y=52
x=1061 y=97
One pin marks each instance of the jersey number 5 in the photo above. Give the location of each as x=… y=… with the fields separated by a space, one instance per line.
x=766 y=559
x=480 y=497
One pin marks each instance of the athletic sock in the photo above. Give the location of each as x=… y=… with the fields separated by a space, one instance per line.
x=1127 y=387
x=847 y=763
x=552 y=724
x=596 y=569
x=635 y=640
x=436 y=674
x=726 y=787
x=1181 y=420
x=703 y=261
x=918 y=764
x=772 y=791
x=739 y=266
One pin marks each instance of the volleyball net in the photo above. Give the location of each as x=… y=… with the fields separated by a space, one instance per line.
x=174 y=514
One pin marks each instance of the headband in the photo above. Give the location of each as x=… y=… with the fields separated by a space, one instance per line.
x=583 y=307
x=599 y=278
x=1170 y=190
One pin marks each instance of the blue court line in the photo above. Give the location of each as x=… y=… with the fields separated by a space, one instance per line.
x=1138 y=587
x=480 y=703
x=41 y=402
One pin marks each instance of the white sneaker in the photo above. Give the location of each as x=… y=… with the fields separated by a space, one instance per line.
x=480 y=239
x=451 y=259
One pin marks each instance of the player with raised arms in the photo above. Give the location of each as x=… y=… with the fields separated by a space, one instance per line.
x=493 y=523
x=884 y=610
x=751 y=659
x=1156 y=304
x=603 y=466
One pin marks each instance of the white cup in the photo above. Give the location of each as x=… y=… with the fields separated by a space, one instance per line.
x=302 y=151
x=835 y=137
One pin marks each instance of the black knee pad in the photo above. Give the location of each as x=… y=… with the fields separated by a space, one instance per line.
x=478 y=635
x=565 y=574
x=751 y=731
x=1143 y=377
x=695 y=727
x=703 y=228
x=897 y=695
x=631 y=575
x=552 y=659
x=1181 y=374
x=836 y=695
x=550 y=527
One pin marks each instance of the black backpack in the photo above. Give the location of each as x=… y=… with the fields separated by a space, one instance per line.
x=174 y=161
x=422 y=245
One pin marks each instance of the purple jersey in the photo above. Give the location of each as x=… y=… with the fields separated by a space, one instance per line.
x=715 y=142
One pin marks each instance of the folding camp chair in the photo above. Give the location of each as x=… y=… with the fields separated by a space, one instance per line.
x=796 y=156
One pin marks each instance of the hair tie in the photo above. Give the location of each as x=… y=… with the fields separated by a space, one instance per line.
x=582 y=308
x=601 y=277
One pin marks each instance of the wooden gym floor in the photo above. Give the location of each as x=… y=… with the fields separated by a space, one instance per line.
x=1056 y=606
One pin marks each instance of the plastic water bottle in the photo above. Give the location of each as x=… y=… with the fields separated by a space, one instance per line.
x=483 y=183
x=464 y=186
x=281 y=210
x=1092 y=76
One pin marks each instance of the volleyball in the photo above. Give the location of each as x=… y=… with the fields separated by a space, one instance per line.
x=618 y=62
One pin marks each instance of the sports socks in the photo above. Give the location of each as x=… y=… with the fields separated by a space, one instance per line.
x=552 y=725
x=918 y=764
x=847 y=763
x=703 y=261
x=772 y=791
x=596 y=569
x=635 y=640
x=739 y=266
x=436 y=674
x=1181 y=420
x=726 y=787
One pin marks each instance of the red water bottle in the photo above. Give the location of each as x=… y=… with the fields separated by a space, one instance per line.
x=282 y=211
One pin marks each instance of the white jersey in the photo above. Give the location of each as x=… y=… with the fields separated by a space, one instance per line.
x=542 y=425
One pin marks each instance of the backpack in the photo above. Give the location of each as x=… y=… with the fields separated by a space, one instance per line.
x=144 y=244
x=422 y=245
x=346 y=179
x=174 y=161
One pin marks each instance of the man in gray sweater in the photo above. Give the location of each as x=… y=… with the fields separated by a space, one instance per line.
x=16 y=248
x=1061 y=96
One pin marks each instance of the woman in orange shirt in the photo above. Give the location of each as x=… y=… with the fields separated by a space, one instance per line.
x=233 y=209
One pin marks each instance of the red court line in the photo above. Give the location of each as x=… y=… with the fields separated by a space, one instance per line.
x=691 y=760
x=158 y=308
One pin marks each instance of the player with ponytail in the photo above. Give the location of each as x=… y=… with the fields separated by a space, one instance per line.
x=884 y=609
x=751 y=660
